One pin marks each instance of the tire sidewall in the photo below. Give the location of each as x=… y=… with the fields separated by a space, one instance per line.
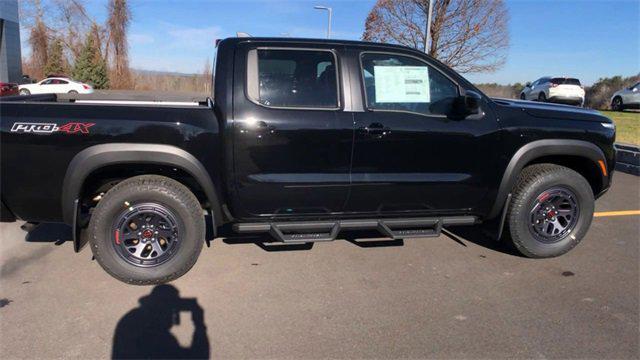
x=102 y=230
x=519 y=221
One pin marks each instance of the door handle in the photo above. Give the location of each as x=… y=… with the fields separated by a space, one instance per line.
x=376 y=129
x=260 y=127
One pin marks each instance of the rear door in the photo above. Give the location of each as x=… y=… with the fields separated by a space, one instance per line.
x=60 y=86
x=410 y=155
x=292 y=142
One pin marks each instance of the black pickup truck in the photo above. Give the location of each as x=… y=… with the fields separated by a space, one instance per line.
x=302 y=140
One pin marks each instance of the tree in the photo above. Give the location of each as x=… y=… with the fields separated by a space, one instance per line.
x=467 y=35
x=39 y=42
x=90 y=65
x=56 y=63
x=119 y=18
x=206 y=76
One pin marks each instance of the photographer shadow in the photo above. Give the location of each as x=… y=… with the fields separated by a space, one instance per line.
x=144 y=332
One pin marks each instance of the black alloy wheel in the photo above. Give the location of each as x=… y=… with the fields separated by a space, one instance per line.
x=554 y=215
x=146 y=235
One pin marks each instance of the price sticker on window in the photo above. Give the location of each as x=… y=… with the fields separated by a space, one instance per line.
x=402 y=84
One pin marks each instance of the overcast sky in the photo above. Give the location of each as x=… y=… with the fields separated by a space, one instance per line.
x=581 y=38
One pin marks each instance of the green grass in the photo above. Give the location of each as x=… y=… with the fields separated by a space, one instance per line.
x=627 y=126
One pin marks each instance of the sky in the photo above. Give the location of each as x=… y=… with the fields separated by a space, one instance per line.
x=586 y=39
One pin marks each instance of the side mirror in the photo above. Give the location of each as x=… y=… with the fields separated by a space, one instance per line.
x=528 y=84
x=468 y=104
x=472 y=102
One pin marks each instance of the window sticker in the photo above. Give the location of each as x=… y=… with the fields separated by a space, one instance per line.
x=402 y=84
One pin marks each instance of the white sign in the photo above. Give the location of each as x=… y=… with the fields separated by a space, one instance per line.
x=402 y=84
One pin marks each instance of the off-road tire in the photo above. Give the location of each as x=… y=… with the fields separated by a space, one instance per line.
x=533 y=181
x=522 y=97
x=170 y=194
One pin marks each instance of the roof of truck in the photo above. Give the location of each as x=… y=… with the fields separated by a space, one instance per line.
x=317 y=41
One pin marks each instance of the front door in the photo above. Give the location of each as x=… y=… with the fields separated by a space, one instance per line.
x=292 y=143
x=411 y=156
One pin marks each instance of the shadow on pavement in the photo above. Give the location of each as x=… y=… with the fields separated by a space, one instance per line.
x=144 y=332
x=476 y=235
x=50 y=232
x=266 y=243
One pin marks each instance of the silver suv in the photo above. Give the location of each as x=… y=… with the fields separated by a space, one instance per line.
x=554 y=89
x=627 y=98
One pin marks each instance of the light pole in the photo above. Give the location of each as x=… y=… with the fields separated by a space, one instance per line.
x=428 y=32
x=330 y=11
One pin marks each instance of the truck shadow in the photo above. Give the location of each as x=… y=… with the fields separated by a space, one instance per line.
x=358 y=238
x=476 y=235
x=49 y=232
x=144 y=332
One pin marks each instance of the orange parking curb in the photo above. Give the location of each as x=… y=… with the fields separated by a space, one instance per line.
x=616 y=213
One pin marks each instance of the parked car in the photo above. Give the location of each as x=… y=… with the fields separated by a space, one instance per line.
x=8 y=89
x=56 y=85
x=305 y=139
x=627 y=98
x=554 y=89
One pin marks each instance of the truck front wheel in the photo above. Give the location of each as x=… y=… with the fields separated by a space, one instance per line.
x=551 y=210
x=147 y=230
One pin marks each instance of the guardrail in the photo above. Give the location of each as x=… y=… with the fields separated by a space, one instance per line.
x=628 y=159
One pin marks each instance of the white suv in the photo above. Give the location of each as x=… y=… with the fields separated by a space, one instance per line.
x=554 y=89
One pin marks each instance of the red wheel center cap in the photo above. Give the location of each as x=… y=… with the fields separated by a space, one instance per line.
x=551 y=214
x=147 y=234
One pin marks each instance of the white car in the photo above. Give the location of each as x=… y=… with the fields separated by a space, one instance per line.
x=56 y=85
x=627 y=98
x=554 y=89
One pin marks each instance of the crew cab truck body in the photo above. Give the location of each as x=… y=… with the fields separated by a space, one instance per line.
x=303 y=139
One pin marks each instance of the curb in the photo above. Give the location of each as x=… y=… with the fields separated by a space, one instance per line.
x=628 y=158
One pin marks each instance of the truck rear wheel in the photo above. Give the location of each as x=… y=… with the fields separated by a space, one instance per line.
x=147 y=230
x=551 y=211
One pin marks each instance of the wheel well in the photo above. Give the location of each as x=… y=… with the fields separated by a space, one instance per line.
x=104 y=178
x=583 y=166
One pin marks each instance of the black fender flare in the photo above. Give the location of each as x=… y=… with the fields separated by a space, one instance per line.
x=98 y=156
x=537 y=149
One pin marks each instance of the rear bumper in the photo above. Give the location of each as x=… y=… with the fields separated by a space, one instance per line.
x=571 y=100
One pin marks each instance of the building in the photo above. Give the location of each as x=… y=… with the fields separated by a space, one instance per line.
x=10 y=57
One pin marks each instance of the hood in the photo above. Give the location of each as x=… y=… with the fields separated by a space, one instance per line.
x=554 y=111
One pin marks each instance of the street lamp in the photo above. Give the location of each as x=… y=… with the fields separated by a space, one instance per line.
x=330 y=11
x=427 y=34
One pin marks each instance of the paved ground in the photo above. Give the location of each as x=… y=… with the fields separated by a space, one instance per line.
x=435 y=298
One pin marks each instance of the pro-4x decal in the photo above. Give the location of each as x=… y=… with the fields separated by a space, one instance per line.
x=49 y=128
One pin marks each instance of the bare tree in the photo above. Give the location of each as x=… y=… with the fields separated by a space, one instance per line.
x=72 y=24
x=118 y=22
x=468 y=35
x=206 y=76
x=39 y=42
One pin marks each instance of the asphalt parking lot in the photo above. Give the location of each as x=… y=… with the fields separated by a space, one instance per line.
x=450 y=297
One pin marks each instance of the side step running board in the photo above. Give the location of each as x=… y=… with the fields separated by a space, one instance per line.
x=314 y=231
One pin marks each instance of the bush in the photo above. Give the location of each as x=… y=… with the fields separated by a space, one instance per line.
x=598 y=95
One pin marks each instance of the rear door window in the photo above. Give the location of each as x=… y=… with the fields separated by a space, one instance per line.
x=292 y=78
